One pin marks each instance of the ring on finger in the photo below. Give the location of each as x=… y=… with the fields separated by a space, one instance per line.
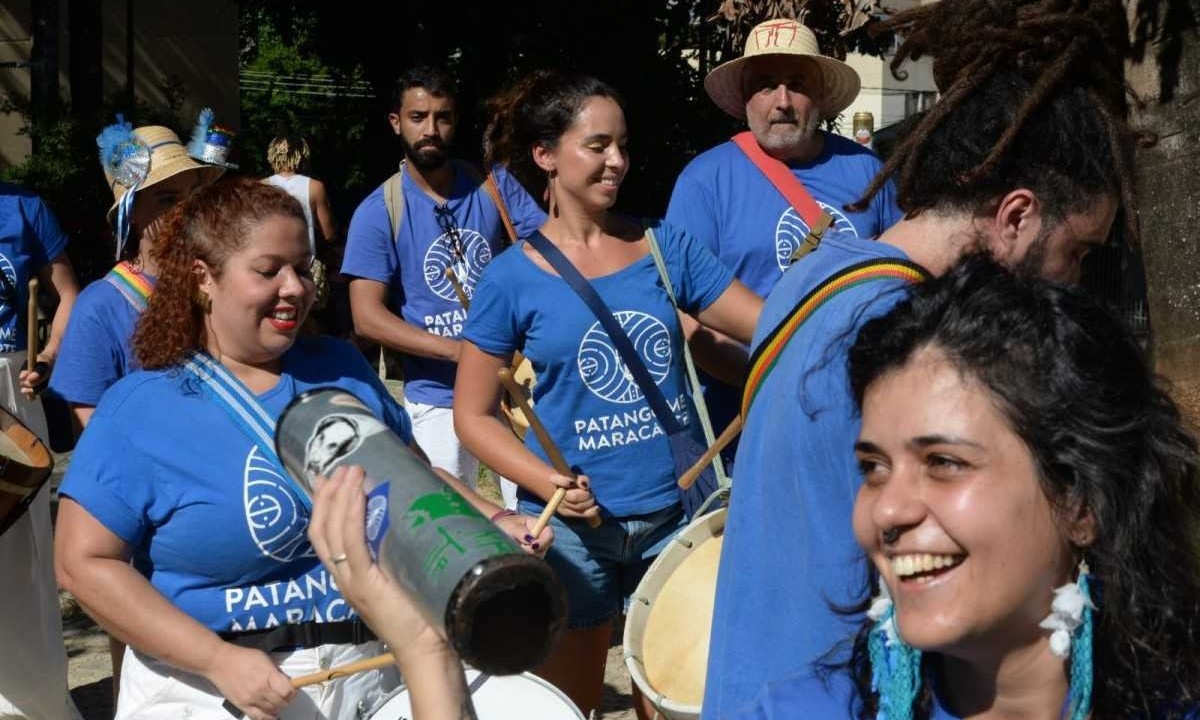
x=338 y=559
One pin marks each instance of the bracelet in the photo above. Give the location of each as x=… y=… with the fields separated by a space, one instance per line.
x=502 y=513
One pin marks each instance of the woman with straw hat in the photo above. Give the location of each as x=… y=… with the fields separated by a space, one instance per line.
x=33 y=668
x=149 y=171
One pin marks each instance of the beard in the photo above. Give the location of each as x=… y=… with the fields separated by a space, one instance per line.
x=428 y=154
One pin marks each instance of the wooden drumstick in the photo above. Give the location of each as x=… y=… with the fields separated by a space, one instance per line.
x=727 y=436
x=556 y=458
x=458 y=288
x=31 y=327
x=333 y=673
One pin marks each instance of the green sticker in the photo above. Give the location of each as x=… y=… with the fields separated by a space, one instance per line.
x=435 y=506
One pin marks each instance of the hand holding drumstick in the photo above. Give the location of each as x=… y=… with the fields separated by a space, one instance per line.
x=35 y=372
x=556 y=459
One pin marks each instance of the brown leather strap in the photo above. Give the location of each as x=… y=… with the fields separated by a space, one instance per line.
x=493 y=191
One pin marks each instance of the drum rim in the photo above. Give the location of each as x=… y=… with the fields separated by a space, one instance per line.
x=539 y=681
x=640 y=611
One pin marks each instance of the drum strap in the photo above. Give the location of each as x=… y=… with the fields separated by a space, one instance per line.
x=245 y=410
x=762 y=362
x=133 y=285
x=302 y=635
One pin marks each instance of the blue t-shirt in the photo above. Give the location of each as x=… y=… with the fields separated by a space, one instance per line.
x=29 y=239
x=789 y=550
x=97 y=349
x=722 y=199
x=215 y=526
x=808 y=696
x=590 y=404
x=414 y=264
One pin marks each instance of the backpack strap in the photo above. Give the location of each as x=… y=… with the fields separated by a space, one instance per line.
x=493 y=191
x=766 y=355
x=393 y=199
x=792 y=190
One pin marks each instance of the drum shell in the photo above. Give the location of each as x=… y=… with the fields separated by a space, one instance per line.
x=25 y=466
x=708 y=528
x=455 y=562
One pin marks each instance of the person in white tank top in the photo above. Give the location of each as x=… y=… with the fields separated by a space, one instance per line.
x=287 y=155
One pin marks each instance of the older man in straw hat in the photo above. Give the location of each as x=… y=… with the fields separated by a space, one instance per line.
x=783 y=87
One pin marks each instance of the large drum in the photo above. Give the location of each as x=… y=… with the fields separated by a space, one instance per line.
x=25 y=466
x=511 y=697
x=522 y=372
x=670 y=619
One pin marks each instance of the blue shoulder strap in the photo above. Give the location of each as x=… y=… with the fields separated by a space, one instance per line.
x=244 y=409
x=582 y=288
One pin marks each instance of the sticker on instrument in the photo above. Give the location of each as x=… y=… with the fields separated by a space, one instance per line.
x=335 y=438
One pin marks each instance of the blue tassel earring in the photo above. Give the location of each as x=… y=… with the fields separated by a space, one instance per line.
x=895 y=665
x=1072 y=624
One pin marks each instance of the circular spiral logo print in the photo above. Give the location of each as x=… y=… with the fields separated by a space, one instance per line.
x=441 y=255
x=10 y=272
x=274 y=517
x=791 y=230
x=600 y=365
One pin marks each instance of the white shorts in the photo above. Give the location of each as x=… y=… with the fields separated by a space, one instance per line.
x=433 y=429
x=153 y=690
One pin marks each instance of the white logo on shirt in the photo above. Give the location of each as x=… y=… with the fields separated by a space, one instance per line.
x=600 y=364
x=791 y=230
x=468 y=257
x=274 y=517
x=9 y=298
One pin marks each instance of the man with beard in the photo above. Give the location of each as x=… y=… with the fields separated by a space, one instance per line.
x=782 y=87
x=432 y=217
x=1025 y=156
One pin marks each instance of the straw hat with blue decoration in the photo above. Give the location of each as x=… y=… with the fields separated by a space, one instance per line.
x=135 y=159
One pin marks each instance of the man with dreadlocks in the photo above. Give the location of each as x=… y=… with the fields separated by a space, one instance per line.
x=1023 y=156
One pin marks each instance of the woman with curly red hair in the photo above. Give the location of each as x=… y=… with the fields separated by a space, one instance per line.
x=178 y=472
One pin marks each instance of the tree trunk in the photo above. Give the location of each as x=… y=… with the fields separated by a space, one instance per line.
x=1169 y=204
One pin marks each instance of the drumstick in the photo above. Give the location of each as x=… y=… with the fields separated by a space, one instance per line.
x=727 y=436
x=556 y=458
x=31 y=326
x=374 y=663
x=458 y=288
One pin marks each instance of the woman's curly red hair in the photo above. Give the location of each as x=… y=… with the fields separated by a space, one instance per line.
x=210 y=225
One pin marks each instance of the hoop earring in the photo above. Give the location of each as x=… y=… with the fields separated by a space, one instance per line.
x=551 y=204
x=895 y=665
x=1072 y=625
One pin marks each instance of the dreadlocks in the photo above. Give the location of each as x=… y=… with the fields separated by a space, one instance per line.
x=1037 y=97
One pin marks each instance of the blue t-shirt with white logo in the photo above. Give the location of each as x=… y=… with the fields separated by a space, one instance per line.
x=215 y=526
x=97 y=349
x=789 y=549
x=724 y=200
x=464 y=234
x=30 y=238
x=591 y=405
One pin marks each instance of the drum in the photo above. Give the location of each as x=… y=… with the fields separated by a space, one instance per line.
x=509 y=697
x=25 y=466
x=670 y=619
x=523 y=373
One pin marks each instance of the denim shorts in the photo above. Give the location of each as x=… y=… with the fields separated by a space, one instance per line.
x=601 y=567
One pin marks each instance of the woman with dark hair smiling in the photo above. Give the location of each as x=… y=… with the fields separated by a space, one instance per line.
x=1029 y=508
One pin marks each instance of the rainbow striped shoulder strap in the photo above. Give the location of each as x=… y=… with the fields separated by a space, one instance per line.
x=763 y=361
x=135 y=286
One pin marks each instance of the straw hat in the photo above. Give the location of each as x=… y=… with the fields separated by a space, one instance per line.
x=782 y=37
x=168 y=158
